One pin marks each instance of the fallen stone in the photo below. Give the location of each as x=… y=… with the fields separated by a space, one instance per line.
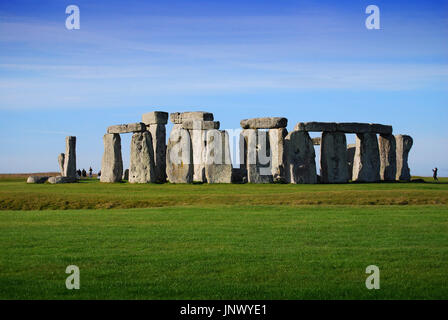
x=179 y=117
x=200 y=125
x=353 y=127
x=61 y=160
x=127 y=128
x=112 y=162
x=366 y=164
x=179 y=156
x=388 y=157
x=141 y=168
x=403 y=144
x=300 y=158
x=37 y=179
x=60 y=179
x=333 y=158
x=155 y=117
x=158 y=134
x=218 y=166
x=277 y=147
x=264 y=123
x=70 y=157
x=316 y=126
x=125 y=175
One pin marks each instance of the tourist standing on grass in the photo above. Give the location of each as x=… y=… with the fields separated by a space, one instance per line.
x=99 y=174
x=90 y=172
x=434 y=175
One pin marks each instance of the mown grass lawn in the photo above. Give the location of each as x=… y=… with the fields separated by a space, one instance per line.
x=223 y=241
x=231 y=252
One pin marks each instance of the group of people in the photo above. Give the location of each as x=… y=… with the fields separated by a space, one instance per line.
x=83 y=173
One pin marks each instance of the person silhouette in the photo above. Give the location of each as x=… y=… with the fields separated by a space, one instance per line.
x=434 y=175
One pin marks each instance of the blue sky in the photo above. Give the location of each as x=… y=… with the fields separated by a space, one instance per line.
x=305 y=60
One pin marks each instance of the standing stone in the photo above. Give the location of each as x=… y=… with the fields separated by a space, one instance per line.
x=351 y=149
x=388 y=157
x=112 y=163
x=404 y=144
x=218 y=166
x=141 y=168
x=198 y=145
x=126 y=175
x=333 y=158
x=61 y=160
x=366 y=165
x=70 y=157
x=179 y=162
x=277 y=145
x=158 y=134
x=300 y=158
x=257 y=155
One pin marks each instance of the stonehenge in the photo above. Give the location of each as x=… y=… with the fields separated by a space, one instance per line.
x=198 y=151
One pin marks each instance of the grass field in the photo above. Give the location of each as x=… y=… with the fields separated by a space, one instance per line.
x=223 y=241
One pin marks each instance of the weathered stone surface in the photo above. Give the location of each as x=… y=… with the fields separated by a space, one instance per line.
x=380 y=128
x=60 y=179
x=155 y=117
x=198 y=145
x=316 y=141
x=366 y=165
x=257 y=158
x=179 y=156
x=353 y=127
x=388 y=160
x=37 y=179
x=264 y=123
x=351 y=149
x=403 y=144
x=179 y=117
x=125 y=175
x=218 y=166
x=141 y=168
x=200 y=125
x=70 y=157
x=333 y=158
x=316 y=126
x=300 y=158
x=158 y=134
x=112 y=163
x=61 y=160
x=277 y=147
x=127 y=128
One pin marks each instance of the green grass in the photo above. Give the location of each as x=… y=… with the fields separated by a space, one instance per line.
x=224 y=241
x=90 y=194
